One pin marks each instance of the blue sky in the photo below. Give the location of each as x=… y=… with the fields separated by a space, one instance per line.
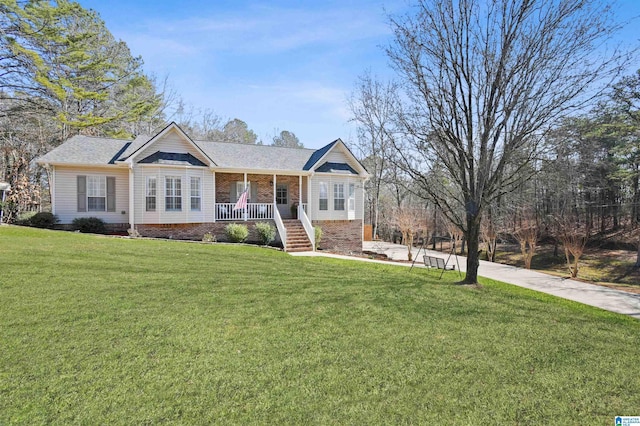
x=278 y=65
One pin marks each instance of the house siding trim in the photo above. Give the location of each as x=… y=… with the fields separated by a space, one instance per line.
x=64 y=184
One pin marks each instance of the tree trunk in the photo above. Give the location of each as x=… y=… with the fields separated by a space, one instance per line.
x=638 y=256
x=435 y=227
x=375 y=220
x=635 y=207
x=472 y=237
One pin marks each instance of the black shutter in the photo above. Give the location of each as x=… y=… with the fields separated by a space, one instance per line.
x=111 y=194
x=82 y=193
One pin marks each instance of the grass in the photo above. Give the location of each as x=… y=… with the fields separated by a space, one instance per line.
x=98 y=330
x=598 y=266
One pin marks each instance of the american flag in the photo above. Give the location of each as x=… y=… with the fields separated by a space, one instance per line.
x=242 y=201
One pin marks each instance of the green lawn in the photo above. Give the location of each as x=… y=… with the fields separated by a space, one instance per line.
x=97 y=330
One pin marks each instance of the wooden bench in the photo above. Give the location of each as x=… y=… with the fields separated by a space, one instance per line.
x=437 y=262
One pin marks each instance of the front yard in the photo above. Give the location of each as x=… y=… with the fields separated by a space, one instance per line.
x=99 y=330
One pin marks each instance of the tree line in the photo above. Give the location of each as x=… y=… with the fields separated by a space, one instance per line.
x=62 y=73
x=483 y=133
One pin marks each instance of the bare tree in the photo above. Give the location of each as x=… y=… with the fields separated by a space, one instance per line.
x=455 y=234
x=372 y=105
x=489 y=236
x=574 y=237
x=287 y=139
x=526 y=231
x=484 y=80
x=637 y=265
x=409 y=221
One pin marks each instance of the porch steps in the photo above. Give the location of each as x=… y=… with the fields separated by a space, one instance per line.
x=297 y=239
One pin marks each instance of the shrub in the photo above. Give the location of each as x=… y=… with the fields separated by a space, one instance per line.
x=43 y=220
x=236 y=232
x=208 y=238
x=89 y=225
x=317 y=231
x=266 y=232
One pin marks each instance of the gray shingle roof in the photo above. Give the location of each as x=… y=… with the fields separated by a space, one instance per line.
x=135 y=144
x=91 y=150
x=257 y=157
x=85 y=150
x=318 y=154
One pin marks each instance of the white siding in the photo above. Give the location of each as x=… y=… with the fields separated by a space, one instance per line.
x=186 y=215
x=66 y=193
x=171 y=142
x=331 y=179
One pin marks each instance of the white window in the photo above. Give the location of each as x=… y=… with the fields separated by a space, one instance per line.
x=195 y=194
x=351 y=204
x=324 y=196
x=173 y=194
x=338 y=196
x=96 y=193
x=151 y=194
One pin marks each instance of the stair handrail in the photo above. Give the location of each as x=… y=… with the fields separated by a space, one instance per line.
x=282 y=230
x=308 y=227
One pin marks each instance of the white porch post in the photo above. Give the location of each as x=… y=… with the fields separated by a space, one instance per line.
x=214 y=195
x=300 y=209
x=132 y=197
x=309 y=197
x=52 y=188
x=273 y=189
x=245 y=188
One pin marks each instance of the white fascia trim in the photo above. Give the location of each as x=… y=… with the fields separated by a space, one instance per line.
x=89 y=165
x=265 y=172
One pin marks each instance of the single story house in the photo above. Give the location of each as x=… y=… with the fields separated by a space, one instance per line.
x=172 y=186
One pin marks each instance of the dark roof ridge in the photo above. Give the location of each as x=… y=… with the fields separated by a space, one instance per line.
x=255 y=144
x=103 y=137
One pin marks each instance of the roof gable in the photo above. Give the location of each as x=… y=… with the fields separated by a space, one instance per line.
x=172 y=139
x=318 y=154
x=334 y=154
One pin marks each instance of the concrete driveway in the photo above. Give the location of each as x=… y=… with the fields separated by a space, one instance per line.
x=590 y=294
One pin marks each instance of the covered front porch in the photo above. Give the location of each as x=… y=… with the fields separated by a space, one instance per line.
x=268 y=196
x=281 y=198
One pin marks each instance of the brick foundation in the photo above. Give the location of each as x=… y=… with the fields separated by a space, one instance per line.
x=111 y=228
x=340 y=235
x=195 y=231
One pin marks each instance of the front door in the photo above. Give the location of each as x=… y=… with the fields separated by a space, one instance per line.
x=282 y=200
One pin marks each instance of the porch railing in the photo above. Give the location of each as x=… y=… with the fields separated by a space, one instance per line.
x=282 y=230
x=308 y=227
x=255 y=211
